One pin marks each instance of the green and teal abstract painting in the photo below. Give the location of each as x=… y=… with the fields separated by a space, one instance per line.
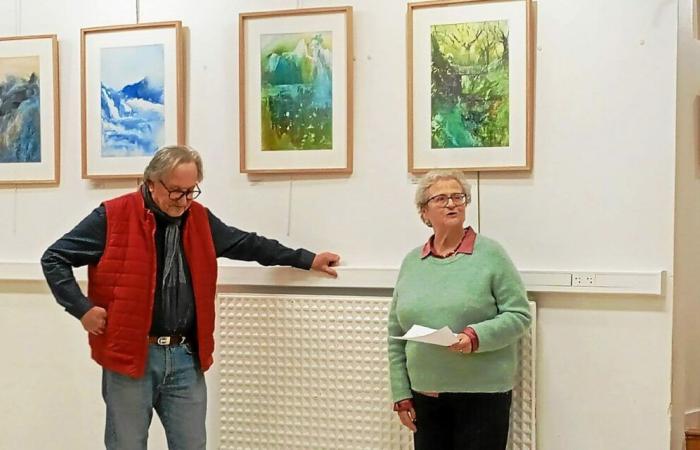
x=296 y=91
x=469 y=85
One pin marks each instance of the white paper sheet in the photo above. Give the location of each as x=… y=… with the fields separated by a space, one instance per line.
x=444 y=336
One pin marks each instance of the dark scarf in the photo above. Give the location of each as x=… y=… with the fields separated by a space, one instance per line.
x=175 y=308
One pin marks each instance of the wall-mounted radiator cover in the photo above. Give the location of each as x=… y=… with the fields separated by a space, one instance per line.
x=311 y=372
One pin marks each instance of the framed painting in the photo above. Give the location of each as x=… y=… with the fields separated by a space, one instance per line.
x=295 y=101
x=29 y=111
x=132 y=85
x=469 y=85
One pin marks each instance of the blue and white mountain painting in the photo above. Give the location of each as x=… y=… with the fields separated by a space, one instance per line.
x=132 y=113
x=20 y=124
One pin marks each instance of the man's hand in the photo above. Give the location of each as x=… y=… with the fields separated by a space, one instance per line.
x=324 y=261
x=95 y=320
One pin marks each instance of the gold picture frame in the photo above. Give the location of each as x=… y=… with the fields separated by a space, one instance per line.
x=296 y=91
x=132 y=96
x=30 y=123
x=470 y=85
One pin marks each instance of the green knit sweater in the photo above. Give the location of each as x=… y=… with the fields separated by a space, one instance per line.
x=482 y=290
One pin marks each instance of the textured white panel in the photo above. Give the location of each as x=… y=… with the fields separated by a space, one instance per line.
x=311 y=372
x=522 y=413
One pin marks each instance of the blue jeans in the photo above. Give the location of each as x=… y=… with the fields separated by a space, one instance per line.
x=173 y=385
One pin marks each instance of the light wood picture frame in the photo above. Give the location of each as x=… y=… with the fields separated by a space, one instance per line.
x=470 y=85
x=296 y=91
x=29 y=111
x=132 y=96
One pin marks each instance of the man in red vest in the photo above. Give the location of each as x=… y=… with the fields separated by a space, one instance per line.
x=149 y=312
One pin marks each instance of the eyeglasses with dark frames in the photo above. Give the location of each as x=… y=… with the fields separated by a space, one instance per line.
x=441 y=200
x=177 y=194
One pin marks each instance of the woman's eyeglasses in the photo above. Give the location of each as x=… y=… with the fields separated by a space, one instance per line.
x=441 y=200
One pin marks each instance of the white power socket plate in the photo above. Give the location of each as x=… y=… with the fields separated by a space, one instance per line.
x=582 y=279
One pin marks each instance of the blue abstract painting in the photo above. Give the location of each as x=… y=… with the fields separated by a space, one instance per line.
x=132 y=103
x=20 y=130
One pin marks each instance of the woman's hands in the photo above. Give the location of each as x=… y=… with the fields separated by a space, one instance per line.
x=467 y=342
x=463 y=345
x=407 y=414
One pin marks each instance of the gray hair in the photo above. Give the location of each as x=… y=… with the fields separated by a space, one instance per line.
x=433 y=177
x=169 y=157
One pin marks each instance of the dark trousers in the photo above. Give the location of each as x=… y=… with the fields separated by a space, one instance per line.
x=462 y=421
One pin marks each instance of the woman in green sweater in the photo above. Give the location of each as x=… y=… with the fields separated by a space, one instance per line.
x=456 y=397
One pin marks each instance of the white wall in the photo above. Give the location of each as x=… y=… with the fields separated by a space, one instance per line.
x=686 y=333
x=600 y=197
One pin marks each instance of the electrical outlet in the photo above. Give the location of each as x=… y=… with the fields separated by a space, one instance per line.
x=582 y=279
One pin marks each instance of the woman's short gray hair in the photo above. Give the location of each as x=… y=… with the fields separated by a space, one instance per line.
x=169 y=157
x=433 y=177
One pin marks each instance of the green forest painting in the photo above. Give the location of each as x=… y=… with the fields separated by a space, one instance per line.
x=469 y=85
x=296 y=91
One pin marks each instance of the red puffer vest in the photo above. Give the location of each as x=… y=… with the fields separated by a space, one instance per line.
x=124 y=281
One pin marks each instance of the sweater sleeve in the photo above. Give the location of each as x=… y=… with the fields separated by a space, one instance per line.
x=513 y=312
x=398 y=375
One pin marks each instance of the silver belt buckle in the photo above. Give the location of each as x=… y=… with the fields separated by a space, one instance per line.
x=163 y=340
